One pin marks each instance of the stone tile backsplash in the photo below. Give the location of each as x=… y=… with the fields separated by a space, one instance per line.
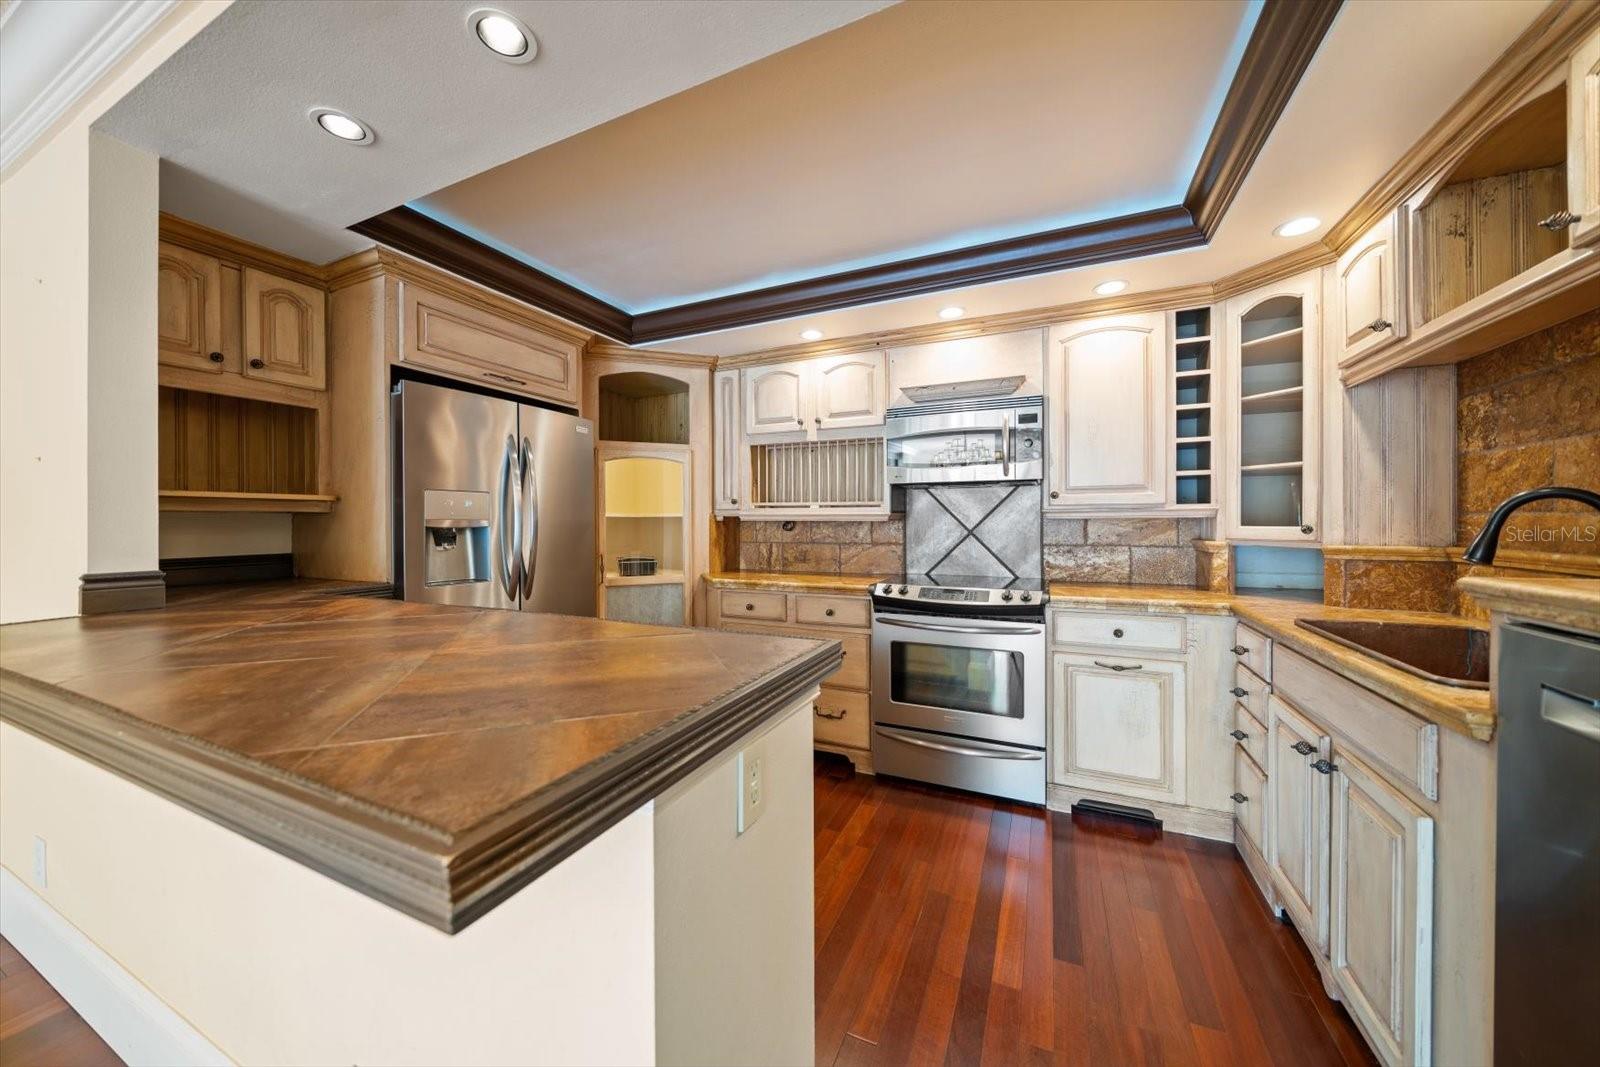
x=823 y=547
x=1143 y=551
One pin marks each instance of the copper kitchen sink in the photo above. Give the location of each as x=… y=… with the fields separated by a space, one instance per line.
x=1450 y=655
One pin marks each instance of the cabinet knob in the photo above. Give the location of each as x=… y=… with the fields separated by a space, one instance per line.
x=749 y=607
x=1117 y=632
x=1305 y=748
x=734 y=501
x=1238 y=798
x=1322 y=766
x=1238 y=650
x=215 y=357
x=1238 y=692
x=1378 y=325
x=1054 y=495
x=819 y=420
x=799 y=422
x=1238 y=735
x=1307 y=528
x=257 y=364
x=828 y=612
x=1559 y=221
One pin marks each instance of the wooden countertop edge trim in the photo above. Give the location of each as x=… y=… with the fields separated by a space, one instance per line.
x=446 y=881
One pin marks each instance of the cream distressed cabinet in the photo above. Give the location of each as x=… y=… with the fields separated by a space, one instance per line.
x=1108 y=409
x=1372 y=308
x=1119 y=724
x=830 y=393
x=1583 y=141
x=726 y=472
x=1381 y=909
x=1297 y=848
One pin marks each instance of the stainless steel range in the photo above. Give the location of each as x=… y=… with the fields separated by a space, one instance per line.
x=963 y=703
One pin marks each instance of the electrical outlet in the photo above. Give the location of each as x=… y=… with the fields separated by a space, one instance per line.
x=41 y=871
x=752 y=786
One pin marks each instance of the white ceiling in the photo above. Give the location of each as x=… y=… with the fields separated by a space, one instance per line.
x=227 y=114
x=1385 y=73
x=922 y=128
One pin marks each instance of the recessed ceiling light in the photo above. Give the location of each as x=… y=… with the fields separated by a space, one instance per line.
x=952 y=312
x=1111 y=288
x=810 y=335
x=1296 y=227
x=341 y=125
x=507 y=36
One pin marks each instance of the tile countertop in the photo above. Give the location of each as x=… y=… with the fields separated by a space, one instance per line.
x=435 y=758
x=1467 y=711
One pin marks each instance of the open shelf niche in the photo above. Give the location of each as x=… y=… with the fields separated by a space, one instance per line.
x=1192 y=394
x=1271 y=413
x=229 y=453
x=644 y=408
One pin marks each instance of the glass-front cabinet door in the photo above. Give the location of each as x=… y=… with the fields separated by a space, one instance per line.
x=644 y=533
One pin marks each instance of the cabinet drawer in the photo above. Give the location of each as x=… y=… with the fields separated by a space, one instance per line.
x=833 y=611
x=1403 y=746
x=1254 y=740
x=753 y=606
x=1250 y=691
x=1156 y=633
x=856 y=670
x=1249 y=798
x=444 y=334
x=840 y=717
x=1254 y=651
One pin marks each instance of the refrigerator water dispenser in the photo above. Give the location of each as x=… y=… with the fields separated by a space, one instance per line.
x=456 y=537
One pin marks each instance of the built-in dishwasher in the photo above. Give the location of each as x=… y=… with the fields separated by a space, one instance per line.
x=1547 y=864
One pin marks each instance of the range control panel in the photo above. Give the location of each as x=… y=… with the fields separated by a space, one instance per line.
x=958 y=600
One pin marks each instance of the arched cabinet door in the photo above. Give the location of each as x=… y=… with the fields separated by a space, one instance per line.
x=850 y=391
x=189 y=310
x=776 y=399
x=1108 y=412
x=1370 y=278
x=285 y=325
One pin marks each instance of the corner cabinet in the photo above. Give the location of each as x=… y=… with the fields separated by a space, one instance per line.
x=1108 y=407
x=1272 y=374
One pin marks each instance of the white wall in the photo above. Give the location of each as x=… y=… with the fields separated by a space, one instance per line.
x=186 y=534
x=274 y=963
x=734 y=913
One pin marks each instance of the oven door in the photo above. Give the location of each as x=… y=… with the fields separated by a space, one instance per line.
x=967 y=677
x=962 y=446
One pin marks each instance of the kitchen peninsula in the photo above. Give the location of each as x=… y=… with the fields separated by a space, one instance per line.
x=445 y=762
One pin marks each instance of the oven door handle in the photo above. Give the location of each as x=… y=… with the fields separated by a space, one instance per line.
x=959 y=750
x=985 y=630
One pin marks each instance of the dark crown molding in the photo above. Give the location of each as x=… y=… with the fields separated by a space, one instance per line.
x=1285 y=38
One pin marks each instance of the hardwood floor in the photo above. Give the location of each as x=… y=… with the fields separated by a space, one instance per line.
x=37 y=1027
x=955 y=929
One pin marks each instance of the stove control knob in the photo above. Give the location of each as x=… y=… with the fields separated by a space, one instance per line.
x=902 y=590
x=887 y=588
x=1026 y=597
x=1006 y=595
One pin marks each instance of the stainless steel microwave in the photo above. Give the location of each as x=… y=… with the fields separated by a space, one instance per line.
x=994 y=440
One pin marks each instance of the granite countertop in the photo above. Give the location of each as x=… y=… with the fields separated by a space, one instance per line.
x=436 y=758
x=1571 y=602
x=777 y=582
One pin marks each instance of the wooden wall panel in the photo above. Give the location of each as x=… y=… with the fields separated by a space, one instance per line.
x=213 y=443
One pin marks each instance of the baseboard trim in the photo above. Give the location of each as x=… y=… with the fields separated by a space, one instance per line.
x=138 y=1025
x=1175 y=818
x=99 y=594
x=212 y=570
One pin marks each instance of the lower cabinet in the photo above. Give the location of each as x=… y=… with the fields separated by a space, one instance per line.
x=1118 y=724
x=1297 y=849
x=1381 y=942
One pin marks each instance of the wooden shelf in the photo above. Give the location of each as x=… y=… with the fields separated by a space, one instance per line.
x=1192 y=340
x=1192 y=373
x=1181 y=441
x=1202 y=472
x=195 y=500
x=1281 y=347
x=1277 y=400
x=1192 y=407
x=658 y=578
x=1272 y=468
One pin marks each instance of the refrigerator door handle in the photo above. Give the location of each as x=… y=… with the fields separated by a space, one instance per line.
x=510 y=521
x=528 y=539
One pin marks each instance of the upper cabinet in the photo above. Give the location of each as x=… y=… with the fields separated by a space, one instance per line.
x=492 y=345
x=829 y=393
x=1108 y=410
x=1583 y=142
x=1272 y=373
x=285 y=331
x=726 y=476
x=189 y=309
x=1371 y=312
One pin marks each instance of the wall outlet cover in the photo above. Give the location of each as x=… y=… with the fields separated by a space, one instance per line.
x=752 y=799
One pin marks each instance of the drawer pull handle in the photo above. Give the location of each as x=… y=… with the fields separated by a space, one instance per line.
x=1238 y=798
x=1559 y=221
x=1120 y=666
x=1238 y=650
x=505 y=377
x=828 y=612
x=1117 y=632
x=1379 y=324
x=841 y=713
x=1305 y=748
x=1322 y=766
x=1236 y=691
x=1238 y=735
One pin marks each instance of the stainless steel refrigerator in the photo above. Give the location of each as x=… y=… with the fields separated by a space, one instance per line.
x=494 y=502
